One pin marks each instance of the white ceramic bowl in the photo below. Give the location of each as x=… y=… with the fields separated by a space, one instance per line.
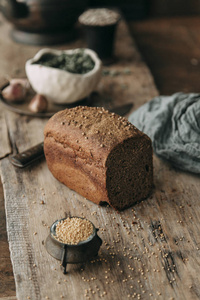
x=60 y=86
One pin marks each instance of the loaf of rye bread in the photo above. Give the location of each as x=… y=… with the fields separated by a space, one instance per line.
x=100 y=155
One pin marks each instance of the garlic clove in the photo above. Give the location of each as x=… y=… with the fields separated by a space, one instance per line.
x=38 y=104
x=14 y=92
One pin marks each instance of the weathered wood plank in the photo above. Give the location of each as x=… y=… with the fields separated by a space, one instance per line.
x=5 y=147
x=155 y=245
x=7 y=285
x=149 y=251
x=8 y=298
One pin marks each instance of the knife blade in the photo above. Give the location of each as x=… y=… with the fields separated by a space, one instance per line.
x=27 y=157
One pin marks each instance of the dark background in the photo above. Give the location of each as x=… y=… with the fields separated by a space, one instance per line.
x=167 y=33
x=136 y=9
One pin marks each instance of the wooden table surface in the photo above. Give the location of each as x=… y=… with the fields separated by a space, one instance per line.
x=171 y=49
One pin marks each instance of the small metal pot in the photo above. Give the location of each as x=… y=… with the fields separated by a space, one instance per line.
x=72 y=254
x=101 y=40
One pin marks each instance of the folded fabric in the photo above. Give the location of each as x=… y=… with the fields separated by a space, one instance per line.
x=173 y=124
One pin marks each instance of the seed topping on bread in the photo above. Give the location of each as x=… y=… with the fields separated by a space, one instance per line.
x=91 y=124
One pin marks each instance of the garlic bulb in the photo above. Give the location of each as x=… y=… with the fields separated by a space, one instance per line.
x=17 y=90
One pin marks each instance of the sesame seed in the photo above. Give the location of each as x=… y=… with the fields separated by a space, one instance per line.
x=158 y=293
x=73 y=230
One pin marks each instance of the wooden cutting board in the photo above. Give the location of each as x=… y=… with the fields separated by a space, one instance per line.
x=150 y=251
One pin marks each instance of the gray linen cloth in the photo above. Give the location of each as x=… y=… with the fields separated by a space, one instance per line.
x=173 y=124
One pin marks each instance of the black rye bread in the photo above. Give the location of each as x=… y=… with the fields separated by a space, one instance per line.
x=100 y=155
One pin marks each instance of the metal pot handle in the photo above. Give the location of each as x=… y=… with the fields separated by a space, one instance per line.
x=64 y=259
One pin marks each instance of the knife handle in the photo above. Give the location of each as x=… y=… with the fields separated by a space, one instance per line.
x=25 y=158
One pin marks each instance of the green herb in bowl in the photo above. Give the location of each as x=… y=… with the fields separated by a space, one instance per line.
x=78 y=62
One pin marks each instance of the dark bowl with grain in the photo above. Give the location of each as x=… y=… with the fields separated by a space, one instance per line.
x=69 y=253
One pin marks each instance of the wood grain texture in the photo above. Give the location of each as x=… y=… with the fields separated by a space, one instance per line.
x=5 y=147
x=7 y=285
x=170 y=47
x=8 y=298
x=150 y=251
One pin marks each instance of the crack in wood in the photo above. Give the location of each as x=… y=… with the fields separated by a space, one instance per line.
x=195 y=290
x=31 y=261
x=168 y=262
x=157 y=231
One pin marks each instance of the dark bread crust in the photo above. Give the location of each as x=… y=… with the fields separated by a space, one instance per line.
x=87 y=149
